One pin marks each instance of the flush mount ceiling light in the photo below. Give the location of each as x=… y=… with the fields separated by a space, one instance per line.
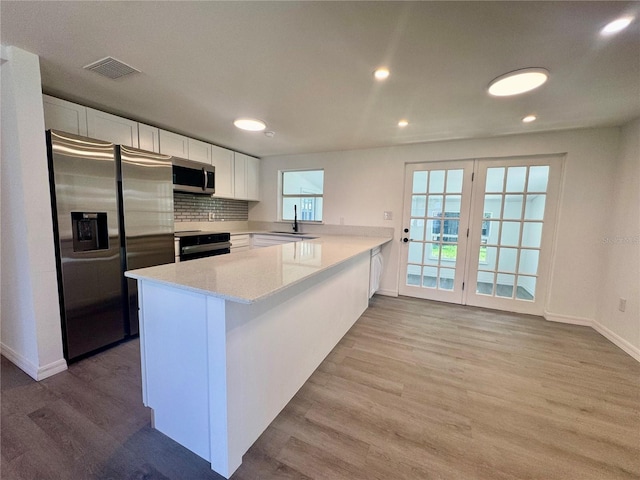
x=616 y=26
x=403 y=123
x=529 y=119
x=250 y=124
x=518 y=81
x=381 y=73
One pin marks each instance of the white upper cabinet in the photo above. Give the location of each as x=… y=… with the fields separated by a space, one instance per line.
x=148 y=138
x=174 y=144
x=222 y=159
x=247 y=172
x=240 y=176
x=253 y=178
x=64 y=116
x=111 y=128
x=199 y=151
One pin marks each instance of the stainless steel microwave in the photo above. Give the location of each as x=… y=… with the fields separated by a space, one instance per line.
x=193 y=177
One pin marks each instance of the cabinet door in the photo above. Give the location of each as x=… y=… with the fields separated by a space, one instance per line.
x=199 y=151
x=148 y=138
x=104 y=126
x=64 y=116
x=253 y=178
x=240 y=176
x=174 y=144
x=222 y=159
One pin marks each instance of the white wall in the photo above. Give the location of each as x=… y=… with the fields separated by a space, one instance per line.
x=620 y=246
x=30 y=332
x=361 y=184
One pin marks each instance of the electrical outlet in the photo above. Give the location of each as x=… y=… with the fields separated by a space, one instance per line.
x=622 y=304
x=388 y=215
x=212 y=216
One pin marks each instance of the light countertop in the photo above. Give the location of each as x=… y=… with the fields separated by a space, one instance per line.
x=250 y=276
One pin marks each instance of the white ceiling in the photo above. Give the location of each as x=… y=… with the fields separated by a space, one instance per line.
x=305 y=68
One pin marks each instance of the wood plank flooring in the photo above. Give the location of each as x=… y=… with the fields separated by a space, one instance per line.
x=415 y=390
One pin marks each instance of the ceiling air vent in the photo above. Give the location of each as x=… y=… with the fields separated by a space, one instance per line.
x=111 y=68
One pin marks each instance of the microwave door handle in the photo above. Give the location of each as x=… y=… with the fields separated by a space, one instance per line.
x=204 y=179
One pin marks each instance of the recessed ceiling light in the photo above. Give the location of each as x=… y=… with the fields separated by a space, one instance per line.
x=250 y=124
x=403 y=123
x=381 y=73
x=519 y=81
x=616 y=26
x=529 y=119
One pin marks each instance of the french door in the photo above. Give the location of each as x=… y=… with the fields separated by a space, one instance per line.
x=479 y=232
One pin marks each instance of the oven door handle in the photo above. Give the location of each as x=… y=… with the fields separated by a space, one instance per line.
x=208 y=247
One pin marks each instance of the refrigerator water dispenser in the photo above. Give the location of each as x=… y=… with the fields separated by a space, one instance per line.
x=90 y=231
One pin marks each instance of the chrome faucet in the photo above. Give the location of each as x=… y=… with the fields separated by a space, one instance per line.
x=295 y=218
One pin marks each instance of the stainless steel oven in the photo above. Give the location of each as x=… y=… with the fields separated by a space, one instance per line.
x=199 y=245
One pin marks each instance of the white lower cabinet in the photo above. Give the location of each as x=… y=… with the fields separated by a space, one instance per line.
x=112 y=128
x=64 y=116
x=266 y=240
x=240 y=242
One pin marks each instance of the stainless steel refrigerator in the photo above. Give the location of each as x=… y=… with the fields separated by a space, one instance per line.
x=112 y=212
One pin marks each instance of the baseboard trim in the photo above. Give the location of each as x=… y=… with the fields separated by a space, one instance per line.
x=617 y=340
x=387 y=293
x=569 y=319
x=613 y=337
x=35 y=372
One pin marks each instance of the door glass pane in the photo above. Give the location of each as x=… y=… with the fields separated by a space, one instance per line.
x=420 y=182
x=487 y=258
x=495 y=179
x=434 y=229
x=432 y=253
x=434 y=208
x=507 y=259
x=526 y=288
x=531 y=234
x=413 y=275
x=534 y=210
x=452 y=204
x=416 y=231
x=505 y=284
x=454 y=181
x=515 y=179
x=436 y=181
x=512 y=206
x=418 y=203
x=538 y=178
x=429 y=276
x=490 y=233
x=528 y=261
x=415 y=252
x=449 y=254
x=493 y=205
x=510 y=233
x=447 y=276
x=485 y=283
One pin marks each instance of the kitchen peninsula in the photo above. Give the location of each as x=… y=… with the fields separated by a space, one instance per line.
x=227 y=341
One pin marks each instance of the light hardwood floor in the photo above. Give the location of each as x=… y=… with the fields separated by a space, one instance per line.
x=415 y=390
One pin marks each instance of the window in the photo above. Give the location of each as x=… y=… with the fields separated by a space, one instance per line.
x=302 y=191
